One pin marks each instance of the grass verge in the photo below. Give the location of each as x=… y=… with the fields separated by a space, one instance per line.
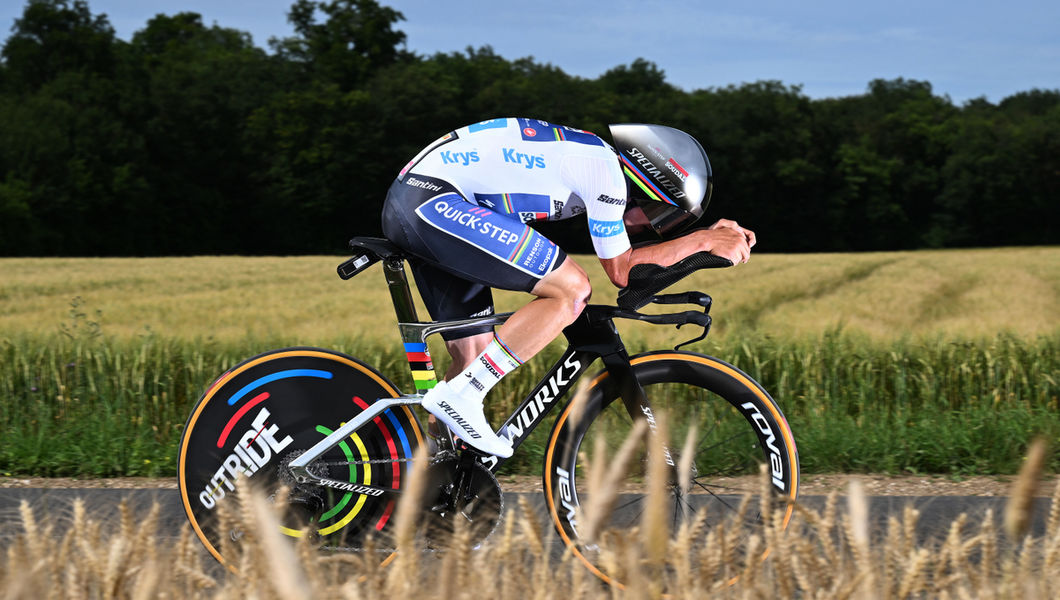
x=101 y=407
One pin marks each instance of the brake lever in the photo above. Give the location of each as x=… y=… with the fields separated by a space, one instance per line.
x=703 y=322
x=692 y=297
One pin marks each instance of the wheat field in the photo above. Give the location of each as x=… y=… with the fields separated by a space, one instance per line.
x=882 y=296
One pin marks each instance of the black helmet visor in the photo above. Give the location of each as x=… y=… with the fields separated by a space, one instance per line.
x=665 y=220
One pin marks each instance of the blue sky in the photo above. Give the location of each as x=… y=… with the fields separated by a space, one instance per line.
x=966 y=49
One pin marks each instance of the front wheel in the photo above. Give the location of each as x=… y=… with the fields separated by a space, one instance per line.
x=738 y=429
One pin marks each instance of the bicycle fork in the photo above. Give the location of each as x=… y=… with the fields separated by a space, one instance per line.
x=635 y=400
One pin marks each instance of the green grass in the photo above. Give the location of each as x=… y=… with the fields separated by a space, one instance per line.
x=918 y=407
x=98 y=407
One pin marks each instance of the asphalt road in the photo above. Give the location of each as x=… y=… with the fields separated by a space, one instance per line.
x=55 y=505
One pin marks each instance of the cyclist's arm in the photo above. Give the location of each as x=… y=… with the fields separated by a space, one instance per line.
x=724 y=238
x=599 y=184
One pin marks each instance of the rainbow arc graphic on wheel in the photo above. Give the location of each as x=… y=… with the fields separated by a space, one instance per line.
x=258 y=415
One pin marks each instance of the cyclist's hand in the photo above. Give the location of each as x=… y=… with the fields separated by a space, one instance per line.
x=748 y=234
x=726 y=242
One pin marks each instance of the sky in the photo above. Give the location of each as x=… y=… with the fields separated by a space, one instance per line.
x=965 y=48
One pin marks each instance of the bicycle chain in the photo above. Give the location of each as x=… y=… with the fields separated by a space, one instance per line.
x=371 y=461
x=378 y=461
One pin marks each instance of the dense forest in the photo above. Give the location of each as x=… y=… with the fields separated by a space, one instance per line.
x=190 y=139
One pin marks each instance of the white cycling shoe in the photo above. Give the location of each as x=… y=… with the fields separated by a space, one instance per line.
x=466 y=418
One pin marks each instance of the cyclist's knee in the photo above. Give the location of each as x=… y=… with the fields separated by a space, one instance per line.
x=581 y=293
x=568 y=283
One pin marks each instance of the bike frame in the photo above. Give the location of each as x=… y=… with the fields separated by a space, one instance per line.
x=593 y=335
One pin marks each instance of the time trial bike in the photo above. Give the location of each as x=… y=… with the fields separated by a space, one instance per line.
x=332 y=438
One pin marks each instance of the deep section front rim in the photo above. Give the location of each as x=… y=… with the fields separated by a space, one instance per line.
x=744 y=428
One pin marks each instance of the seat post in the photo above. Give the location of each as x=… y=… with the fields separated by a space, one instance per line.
x=398 y=282
x=416 y=352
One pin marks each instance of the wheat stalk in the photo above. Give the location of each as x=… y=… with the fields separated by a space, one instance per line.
x=858 y=535
x=406 y=517
x=1021 y=498
x=655 y=533
x=275 y=554
x=913 y=579
x=605 y=474
x=824 y=556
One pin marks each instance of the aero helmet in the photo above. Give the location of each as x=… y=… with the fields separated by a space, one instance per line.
x=668 y=173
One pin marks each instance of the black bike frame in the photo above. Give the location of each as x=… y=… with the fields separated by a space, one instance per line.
x=593 y=335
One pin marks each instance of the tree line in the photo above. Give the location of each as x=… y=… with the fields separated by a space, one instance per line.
x=190 y=139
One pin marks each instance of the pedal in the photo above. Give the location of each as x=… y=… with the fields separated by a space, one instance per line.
x=479 y=504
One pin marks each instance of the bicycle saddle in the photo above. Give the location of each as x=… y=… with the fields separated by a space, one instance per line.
x=381 y=247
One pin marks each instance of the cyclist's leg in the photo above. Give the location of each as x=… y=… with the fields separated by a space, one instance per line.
x=450 y=298
x=561 y=297
x=478 y=246
x=463 y=351
x=431 y=220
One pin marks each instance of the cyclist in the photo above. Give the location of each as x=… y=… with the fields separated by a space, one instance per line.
x=462 y=205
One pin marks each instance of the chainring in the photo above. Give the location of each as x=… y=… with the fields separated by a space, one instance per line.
x=475 y=511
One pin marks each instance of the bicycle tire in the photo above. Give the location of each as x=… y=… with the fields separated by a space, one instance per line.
x=732 y=412
x=280 y=403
